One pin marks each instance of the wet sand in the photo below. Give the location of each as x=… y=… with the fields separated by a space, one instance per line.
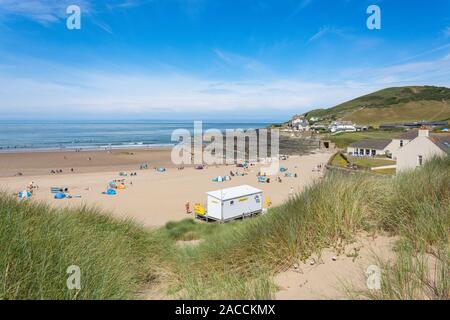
x=42 y=162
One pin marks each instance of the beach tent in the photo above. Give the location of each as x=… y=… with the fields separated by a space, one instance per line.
x=112 y=184
x=110 y=192
x=57 y=189
x=24 y=194
x=221 y=178
x=290 y=175
x=217 y=179
x=242 y=165
x=121 y=186
x=60 y=195
x=283 y=169
x=161 y=169
x=199 y=167
x=261 y=179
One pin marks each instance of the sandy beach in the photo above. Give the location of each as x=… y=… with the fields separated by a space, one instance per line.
x=42 y=162
x=152 y=198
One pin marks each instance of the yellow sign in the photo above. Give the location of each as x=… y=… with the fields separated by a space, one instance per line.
x=198 y=209
x=243 y=199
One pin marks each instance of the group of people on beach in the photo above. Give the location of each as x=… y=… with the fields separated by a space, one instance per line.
x=31 y=187
x=56 y=171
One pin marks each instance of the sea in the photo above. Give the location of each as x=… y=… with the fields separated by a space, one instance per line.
x=16 y=136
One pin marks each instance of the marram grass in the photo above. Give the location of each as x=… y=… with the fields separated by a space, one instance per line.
x=234 y=260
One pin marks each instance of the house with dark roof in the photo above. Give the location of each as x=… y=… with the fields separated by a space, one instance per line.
x=370 y=147
x=403 y=140
x=421 y=149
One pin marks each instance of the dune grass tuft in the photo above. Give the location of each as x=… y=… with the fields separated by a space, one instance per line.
x=38 y=244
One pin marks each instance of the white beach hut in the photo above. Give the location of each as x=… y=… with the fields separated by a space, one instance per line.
x=232 y=203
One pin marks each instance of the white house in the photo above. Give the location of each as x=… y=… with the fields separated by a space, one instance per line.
x=299 y=123
x=370 y=147
x=421 y=149
x=232 y=203
x=342 y=126
x=403 y=140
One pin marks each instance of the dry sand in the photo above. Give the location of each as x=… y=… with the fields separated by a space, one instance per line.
x=329 y=275
x=153 y=198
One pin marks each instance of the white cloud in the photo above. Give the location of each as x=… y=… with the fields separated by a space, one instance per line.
x=432 y=70
x=240 y=61
x=325 y=30
x=302 y=4
x=102 y=93
x=109 y=93
x=42 y=11
x=47 y=12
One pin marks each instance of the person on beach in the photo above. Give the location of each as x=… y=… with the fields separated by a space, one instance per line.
x=188 y=207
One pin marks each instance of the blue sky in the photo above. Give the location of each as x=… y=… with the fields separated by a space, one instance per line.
x=212 y=59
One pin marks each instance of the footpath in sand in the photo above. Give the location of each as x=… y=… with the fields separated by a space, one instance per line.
x=151 y=197
x=329 y=275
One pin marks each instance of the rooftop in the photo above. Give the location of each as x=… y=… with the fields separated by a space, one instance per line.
x=233 y=192
x=377 y=144
x=442 y=141
x=409 y=135
x=342 y=122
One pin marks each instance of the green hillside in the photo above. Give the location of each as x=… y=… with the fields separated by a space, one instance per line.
x=392 y=105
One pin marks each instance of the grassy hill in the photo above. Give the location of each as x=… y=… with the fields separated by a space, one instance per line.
x=392 y=105
x=119 y=259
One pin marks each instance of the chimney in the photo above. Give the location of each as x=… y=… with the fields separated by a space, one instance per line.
x=424 y=132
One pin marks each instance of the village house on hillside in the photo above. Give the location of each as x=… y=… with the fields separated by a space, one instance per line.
x=411 y=149
x=421 y=149
x=299 y=123
x=342 y=126
x=370 y=148
x=403 y=140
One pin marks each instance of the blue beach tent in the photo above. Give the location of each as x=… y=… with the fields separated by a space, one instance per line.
x=111 y=192
x=60 y=195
